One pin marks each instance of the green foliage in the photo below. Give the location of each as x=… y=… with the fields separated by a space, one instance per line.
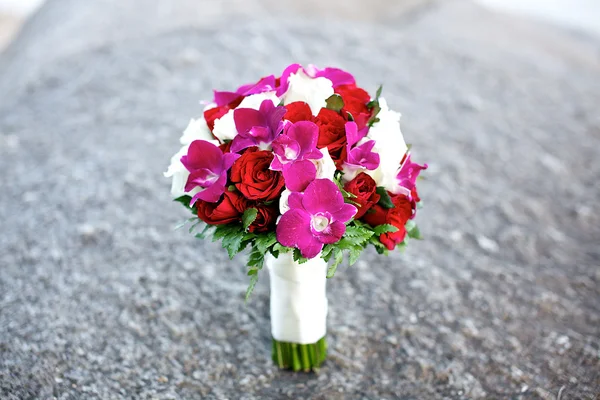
x=373 y=105
x=249 y=217
x=384 y=198
x=235 y=238
x=186 y=200
x=335 y=102
x=381 y=229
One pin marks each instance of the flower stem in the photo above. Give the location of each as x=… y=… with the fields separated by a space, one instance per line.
x=299 y=357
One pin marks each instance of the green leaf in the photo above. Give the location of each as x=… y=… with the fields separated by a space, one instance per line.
x=253 y=280
x=232 y=242
x=249 y=217
x=335 y=102
x=231 y=188
x=205 y=231
x=264 y=241
x=184 y=223
x=384 y=200
x=186 y=200
x=338 y=258
x=380 y=247
x=354 y=255
x=350 y=117
x=384 y=228
x=375 y=108
x=413 y=230
x=280 y=248
x=298 y=257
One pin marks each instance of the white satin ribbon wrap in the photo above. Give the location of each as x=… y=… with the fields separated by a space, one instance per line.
x=298 y=299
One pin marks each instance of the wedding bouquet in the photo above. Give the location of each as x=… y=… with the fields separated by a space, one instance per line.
x=301 y=169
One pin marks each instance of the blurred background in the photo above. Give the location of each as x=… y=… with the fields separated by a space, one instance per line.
x=100 y=298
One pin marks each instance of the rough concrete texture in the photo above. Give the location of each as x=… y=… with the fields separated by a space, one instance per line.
x=99 y=298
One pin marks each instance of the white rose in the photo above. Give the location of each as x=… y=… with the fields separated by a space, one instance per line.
x=283 y=201
x=225 y=126
x=389 y=144
x=196 y=130
x=313 y=91
x=325 y=166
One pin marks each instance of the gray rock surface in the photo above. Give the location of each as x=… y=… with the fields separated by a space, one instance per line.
x=99 y=298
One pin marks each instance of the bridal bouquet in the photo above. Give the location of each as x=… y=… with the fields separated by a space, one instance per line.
x=301 y=169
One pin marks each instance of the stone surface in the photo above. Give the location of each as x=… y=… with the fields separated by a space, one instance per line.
x=99 y=298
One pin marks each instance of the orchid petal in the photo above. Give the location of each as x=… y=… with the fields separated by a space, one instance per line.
x=224 y=98
x=322 y=195
x=351 y=133
x=345 y=213
x=283 y=82
x=333 y=233
x=295 y=200
x=306 y=133
x=294 y=228
x=246 y=118
x=299 y=174
x=202 y=154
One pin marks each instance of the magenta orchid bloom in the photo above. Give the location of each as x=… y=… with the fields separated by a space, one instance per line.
x=363 y=155
x=257 y=127
x=266 y=84
x=208 y=170
x=315 y=218
x=293 y=151
x=337 y=76
x=408 y=173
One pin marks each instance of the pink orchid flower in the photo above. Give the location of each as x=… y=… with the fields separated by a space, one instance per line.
x=293 y=151
x=208 y=170
x=266 y=84
x=337 y=76
x=363 y=155
x=257 y=127
x=408 y=174
x=315 y=218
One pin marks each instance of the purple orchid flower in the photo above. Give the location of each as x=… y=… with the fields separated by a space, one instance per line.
x=337 y=76
x=408 y=174
x=293 y=151
x=363 y=155
x=315 y=218
x=257 y=127
x=266 y=84
x=208 y=169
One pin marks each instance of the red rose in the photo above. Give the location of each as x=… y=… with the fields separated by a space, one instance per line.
x=265 y=218
x=397 y=216
x=365 y=190
x=251 y=175
x=355 y=103
x=332 y=134
x=229 y=209
x=298 y=111
x=212 y=114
